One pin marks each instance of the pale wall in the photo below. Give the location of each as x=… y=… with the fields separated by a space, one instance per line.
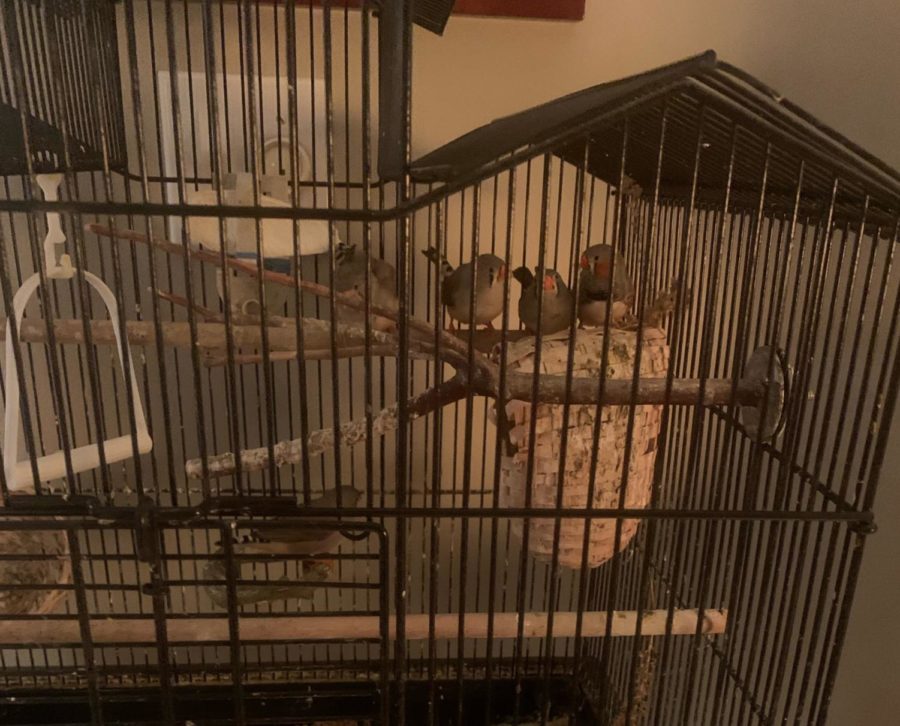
x=839 y=60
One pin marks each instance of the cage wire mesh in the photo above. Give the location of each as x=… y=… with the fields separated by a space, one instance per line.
x=327 y=527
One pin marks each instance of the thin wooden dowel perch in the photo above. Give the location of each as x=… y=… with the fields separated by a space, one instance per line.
x=353 y=627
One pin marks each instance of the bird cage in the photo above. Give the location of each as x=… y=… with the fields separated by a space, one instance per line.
x=360 y=508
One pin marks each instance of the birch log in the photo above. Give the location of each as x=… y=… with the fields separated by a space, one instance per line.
x=357 y=627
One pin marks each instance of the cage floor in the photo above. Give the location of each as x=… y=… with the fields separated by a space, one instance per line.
x=335 y=704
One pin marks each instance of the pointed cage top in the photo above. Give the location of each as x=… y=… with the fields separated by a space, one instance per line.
x=708 y=105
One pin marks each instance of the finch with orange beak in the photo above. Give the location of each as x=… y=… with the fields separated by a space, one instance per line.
x=556 y=303
x=457 y=283
x=604 y=282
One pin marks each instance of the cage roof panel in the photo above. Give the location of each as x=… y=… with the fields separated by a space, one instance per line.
x=698 y=115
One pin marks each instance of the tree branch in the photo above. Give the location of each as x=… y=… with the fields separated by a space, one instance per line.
x=215 y=360
x=351 y=433
x=210 y=336
x=278 y=278
x=206 y=313
x=621 y=392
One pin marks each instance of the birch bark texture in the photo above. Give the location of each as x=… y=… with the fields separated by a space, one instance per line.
x=576 y=480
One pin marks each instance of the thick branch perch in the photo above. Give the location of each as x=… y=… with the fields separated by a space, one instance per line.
x=351 y=433
x=278 y=278
x=316 y=334
x=551 y=390
x=486 y=340
x=210 y=315
x=685 y=391
x=353 y=627
x=386 y=351
x=350 y=342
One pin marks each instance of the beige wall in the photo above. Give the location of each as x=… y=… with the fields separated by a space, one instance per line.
x=839 y=60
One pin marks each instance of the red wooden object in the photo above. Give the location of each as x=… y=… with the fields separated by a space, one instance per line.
x=555 y=9
x=547 y=9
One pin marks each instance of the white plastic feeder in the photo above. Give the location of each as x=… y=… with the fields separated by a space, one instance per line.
x=19 y=474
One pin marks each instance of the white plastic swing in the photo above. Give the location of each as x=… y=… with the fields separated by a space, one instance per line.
x=19 y=474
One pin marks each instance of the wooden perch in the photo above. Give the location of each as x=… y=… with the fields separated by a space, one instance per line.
x=486 y=341
x=210 y=336
x=277 y=278
x=378 y=351
x=351 y=342
x=481 y=375
x=212 y=316
x=485 y=375
x=551 y=390
x=358 y=627
x=621 y=392
x=351 y=433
